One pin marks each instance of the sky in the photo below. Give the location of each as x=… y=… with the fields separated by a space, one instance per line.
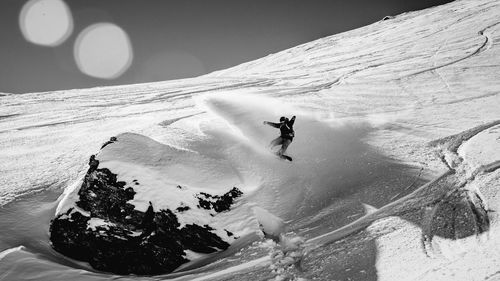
x=55 y=44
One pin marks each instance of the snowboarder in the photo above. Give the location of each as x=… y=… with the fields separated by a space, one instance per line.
x=286 y=137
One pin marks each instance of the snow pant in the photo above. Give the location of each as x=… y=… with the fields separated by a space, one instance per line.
x=283 y=142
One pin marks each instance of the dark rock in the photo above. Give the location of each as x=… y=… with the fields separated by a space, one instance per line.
x=216 y=202
x=71 y=236
x=148 y=223
x=200 y=239
x=93 y=164
x=103 y=197
x=183 y=208
x=121 y=183
x=131 y=242
x=130 y=193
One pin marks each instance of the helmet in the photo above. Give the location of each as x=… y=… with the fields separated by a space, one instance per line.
x=282 y=118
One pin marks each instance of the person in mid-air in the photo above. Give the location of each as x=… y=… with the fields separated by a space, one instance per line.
x=287 y=134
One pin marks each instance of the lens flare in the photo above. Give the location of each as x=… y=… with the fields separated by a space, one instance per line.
x=103 y=50
x=46 y=22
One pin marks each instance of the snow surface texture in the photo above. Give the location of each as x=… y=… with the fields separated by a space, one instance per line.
x=404 y=88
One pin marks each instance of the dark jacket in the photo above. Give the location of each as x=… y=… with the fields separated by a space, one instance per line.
x=286 y=128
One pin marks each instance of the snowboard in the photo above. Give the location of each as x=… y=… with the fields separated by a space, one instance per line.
x=285 y=157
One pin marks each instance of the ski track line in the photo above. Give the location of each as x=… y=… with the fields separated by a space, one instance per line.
x=437 y=71
x=260 y=262
x=486 y=45
x=495 y=274
x=469 y=99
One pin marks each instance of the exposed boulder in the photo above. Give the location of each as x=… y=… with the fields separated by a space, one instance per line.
x=104 y=227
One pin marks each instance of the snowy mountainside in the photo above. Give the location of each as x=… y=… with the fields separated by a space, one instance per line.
x=396 y=152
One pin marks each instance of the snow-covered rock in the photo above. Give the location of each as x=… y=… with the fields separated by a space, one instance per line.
x=134 y=213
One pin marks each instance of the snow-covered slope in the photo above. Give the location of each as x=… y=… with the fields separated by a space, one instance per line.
x=381 y=110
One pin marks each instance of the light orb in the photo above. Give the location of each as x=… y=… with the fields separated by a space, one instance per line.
x=103 y=50
x=46 y=22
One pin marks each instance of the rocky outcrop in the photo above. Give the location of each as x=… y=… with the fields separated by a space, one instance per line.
x=216 y=202
x=105 y=229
